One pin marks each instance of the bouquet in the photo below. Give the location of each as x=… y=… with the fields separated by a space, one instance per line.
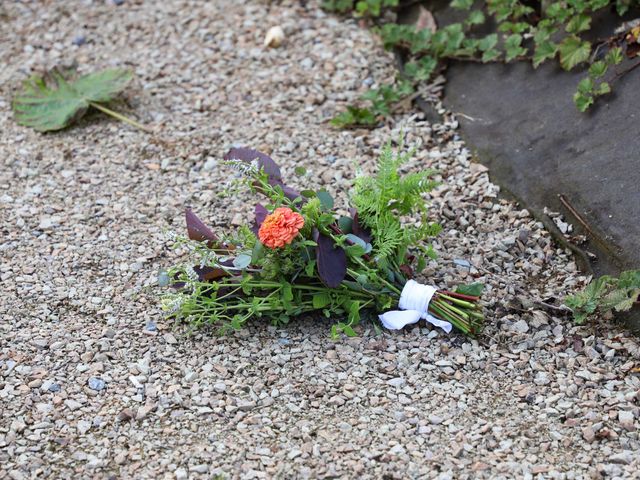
x=301 y=255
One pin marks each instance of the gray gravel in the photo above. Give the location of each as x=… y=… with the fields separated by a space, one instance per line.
x=95 y=383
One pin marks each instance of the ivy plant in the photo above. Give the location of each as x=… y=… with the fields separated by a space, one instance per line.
x=533 y=31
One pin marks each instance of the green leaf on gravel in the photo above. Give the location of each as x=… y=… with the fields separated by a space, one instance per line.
x=573 y=51
x=473 y=289
x=53 y=102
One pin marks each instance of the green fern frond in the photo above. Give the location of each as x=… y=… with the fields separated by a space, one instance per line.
x=382 y=199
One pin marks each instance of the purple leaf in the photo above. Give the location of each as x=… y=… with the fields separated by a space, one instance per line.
x=264 y=161
x=261 y=214
x=332 y=260
x=289 y=192
x=209 y=273
x=357 y=229
x=198 y=231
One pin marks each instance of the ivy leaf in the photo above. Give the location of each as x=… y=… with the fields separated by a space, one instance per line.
x=603 y=89
x=476 y=18
x=597 y=69
x=462 y=4
x=488 y=42
x=579 y=23
x=573 y=51
x=513 y=48
x=53 y=102
x=613 y=56
x=544 y=51
x=582 y=101
x=585 y=86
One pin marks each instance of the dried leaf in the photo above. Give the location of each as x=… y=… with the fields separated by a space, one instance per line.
x=426 y=21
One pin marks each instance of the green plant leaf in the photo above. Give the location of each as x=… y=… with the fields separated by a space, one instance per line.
x=321 y=300
x=579 y=23
x=462 y=4
x=488 y=42
x=603 y=89
x=613 y=56
x=582 y=101
x=513 y=47
x=597 y=69
x=476 y=17
x=490 y=55
x=473 y=289
x=325 y=199
x=544 y=51
x=585 y=86
x=573 y=51
x=52 y=102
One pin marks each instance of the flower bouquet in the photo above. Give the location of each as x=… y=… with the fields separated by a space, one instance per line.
x=301 y=255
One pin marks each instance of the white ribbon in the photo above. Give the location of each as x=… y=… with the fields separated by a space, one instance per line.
x=414 y=305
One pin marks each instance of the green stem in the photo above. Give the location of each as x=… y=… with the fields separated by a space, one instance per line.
x=457 y=301
x=120 y=117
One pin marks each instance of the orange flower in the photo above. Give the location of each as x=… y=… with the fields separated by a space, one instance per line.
x=280 y=227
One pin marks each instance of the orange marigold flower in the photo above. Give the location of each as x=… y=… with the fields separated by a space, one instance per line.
x=280 y=227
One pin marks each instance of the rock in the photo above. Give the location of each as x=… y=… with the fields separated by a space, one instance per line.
x=521 y=326
x=83 y=426
x=72 y=405
x=396 y=382
x=274 y=38
x=96 y=383
x=626 y=420
x=624 y=458
x=435 y=419
x=169 y=338
x=181 y=474
x=542 y=378
x=588 y=434
x=125 y=415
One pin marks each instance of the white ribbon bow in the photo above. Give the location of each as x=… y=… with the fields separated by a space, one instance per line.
x=414 y=305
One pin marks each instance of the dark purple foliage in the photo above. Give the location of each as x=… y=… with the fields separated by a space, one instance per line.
x=249 y=155
x=209 y=273
x=261 y=214
x=266 y=163
x=357 y=229
x=332 y=260
x=197 y=230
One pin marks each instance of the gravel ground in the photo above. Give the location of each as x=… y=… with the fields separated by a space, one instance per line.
x=95 y=383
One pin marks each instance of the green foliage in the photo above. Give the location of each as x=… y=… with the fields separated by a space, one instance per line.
x=53 y=102
x=556 y=31
x=382 y=200
x=360 y=8
x=605 y=294
x=593 y=86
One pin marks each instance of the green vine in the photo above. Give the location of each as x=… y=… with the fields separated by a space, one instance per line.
x=539 y=33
